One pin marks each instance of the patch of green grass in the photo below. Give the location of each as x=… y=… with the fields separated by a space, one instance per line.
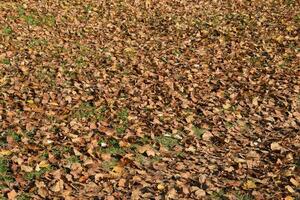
x=24 y=196
x=32 y=20
x=5 y=61
x=241 y=196
x=21 y=11
x=88 y=111
x=113 y=148
x=44 y=156
x=4 y=171
x=7 y=30
x=80 y=62
x=36 y=174
x=1 y=188
x=37 y=42
x=3 y=166
x=60 y=151
x=49 y=20
x=144 y=140
x=109 y=165
x=220 y=195
x=180 y=154
x=73 y=159
x=297 y=18
x=123 y=114
x=121 y=129
x=198 y=132
x=14 y=135
x=122 y=118
x=167 y=141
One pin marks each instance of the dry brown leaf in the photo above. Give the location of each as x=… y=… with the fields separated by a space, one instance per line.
x=294 y=182
x=161 y=186
x=135 y=195
x=117 y=171
x=110 y=197
x=58 y=186
x=290 y=189
x=122 y=182
x=207 y=135
x=12 y=195
x=5 y=152
x=248 y=185
x=288 y=198
x=146 y=148
x=200 y=193
x=26 y=168
x=172 y=194
x=275 y=146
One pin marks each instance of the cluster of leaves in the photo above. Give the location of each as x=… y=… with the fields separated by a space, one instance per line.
x=149 y=99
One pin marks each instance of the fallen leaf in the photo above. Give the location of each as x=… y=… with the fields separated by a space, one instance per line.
x=275 y=146
x=26 y=168
x=207 y=135
x=117 y=171
x=43 y=164
x=172 y=194
x=122 y=182
x=255 y=101
x=135 y=195
x=58 y=186
x=110 y=197
x=290 y=189
x=146 y=148
x=226 y=106
x=248 y=185
x=200 y=193
x=5 y=152
x=12 y=195
x=160 y=186
x=294 y=182
x=288 y=198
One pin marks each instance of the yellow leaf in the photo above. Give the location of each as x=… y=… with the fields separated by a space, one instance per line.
x=288 y=198
x=249 y=185
x=290 y=28
x=279 y=39
x=290 y=189
x=226 y=106
x=43 y=164
x=12 y=194
x=30 y=101
x=5 y=152
x=160 y=186
x=255 y=101
x=117 y=171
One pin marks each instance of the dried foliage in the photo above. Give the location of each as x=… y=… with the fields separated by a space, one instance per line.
x=156 y=98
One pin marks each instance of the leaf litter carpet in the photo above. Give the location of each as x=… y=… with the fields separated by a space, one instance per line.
x=153 y=99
